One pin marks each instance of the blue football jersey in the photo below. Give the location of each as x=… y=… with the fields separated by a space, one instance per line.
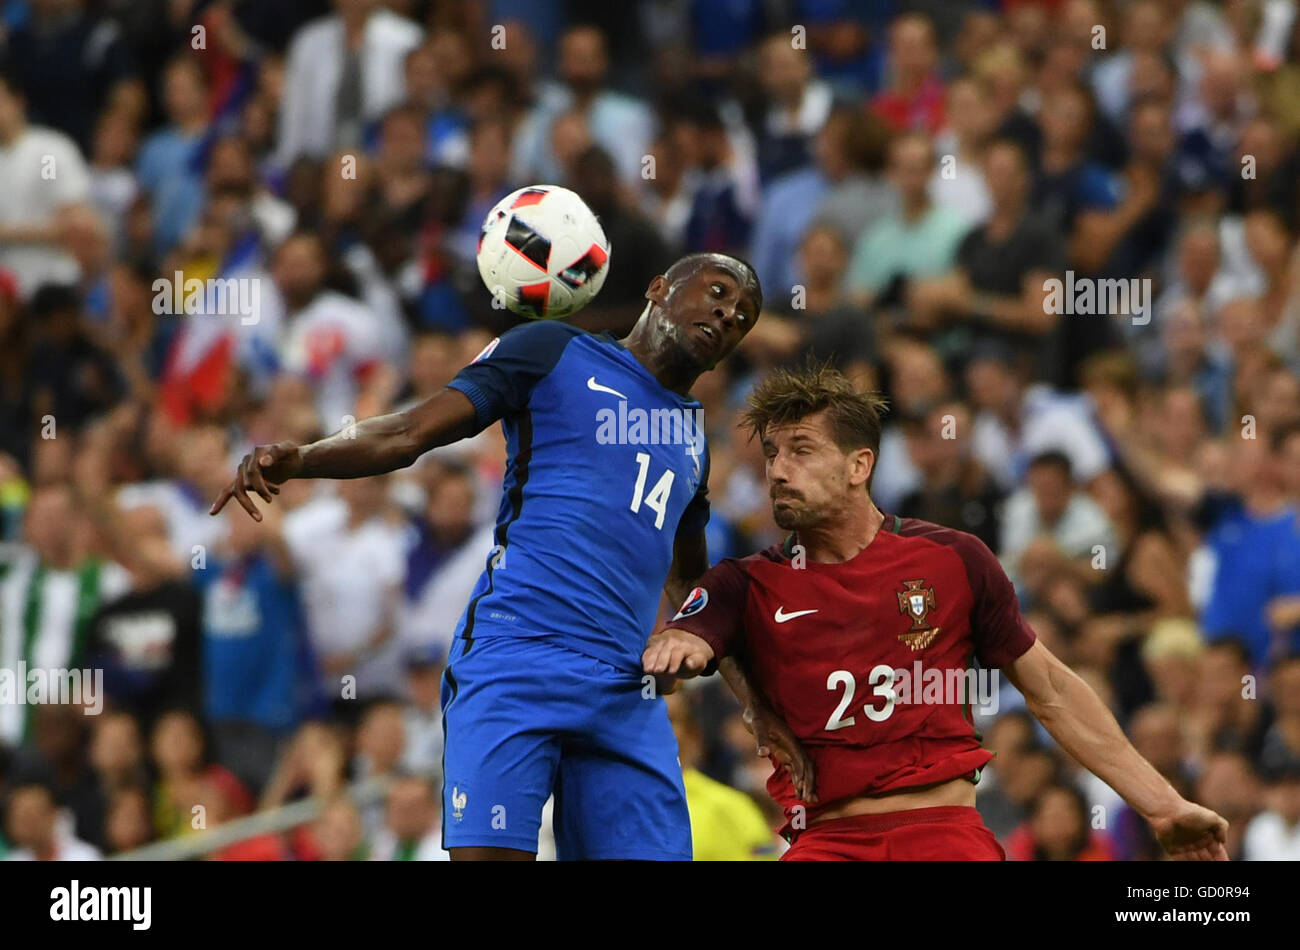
x=605 y=467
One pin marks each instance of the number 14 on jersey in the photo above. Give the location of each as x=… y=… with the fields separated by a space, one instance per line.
x=657 y=500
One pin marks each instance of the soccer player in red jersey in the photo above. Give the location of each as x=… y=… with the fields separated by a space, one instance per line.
x=833 y=624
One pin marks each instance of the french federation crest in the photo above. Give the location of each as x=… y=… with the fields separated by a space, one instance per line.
x=916 y=601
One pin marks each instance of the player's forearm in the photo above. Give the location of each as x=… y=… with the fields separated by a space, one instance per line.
x=385 y=443
x=369 y=447
x=1078 y=720
x=690 y=561
x=742 y=687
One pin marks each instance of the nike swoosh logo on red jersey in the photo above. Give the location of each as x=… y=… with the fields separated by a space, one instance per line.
x=781 y=616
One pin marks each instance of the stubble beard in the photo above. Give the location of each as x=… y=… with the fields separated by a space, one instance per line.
x=792 y=514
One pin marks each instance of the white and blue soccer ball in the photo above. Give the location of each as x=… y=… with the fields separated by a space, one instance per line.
x=542 y=253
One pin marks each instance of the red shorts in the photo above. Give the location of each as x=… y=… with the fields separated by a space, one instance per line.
x=946 y=833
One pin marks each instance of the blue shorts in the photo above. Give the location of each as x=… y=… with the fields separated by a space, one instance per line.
x=524 y=718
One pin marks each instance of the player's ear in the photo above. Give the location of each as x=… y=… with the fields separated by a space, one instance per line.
x=657 y=292
x=864 y=460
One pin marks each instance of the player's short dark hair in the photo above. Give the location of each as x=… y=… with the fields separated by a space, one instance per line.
x=688 y=265
x=788 y=395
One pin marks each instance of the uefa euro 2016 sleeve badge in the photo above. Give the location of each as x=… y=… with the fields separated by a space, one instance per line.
x=916 y=602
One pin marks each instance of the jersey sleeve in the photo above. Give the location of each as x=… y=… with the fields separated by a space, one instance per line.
x=999 y=632
x=715 y=610
x=502 y=377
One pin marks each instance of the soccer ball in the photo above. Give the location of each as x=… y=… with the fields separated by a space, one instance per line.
x=542 y=253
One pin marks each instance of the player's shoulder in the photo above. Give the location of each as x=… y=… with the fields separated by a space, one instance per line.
x=537 y=340
x=972 y=551
x=540 y=331
x=742 y=566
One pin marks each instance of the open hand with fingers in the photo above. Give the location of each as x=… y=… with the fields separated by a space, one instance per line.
x=263 y=471
x=1192 y=833
x=773 y=739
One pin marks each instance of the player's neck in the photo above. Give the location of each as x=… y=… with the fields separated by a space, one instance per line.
x=663 y=363
x=844 y=538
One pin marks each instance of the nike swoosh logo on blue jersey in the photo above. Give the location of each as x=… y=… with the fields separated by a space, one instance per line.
x=597 y=387
x=781 y=616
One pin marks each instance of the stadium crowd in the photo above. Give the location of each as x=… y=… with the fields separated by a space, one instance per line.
x=907 y=178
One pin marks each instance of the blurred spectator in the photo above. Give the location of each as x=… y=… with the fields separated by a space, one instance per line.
x=443 y=564
x=381 y=743
x=725 y=824
x=1015 y=422
x=117 y=756
x=257 y=681
x=312 y=763
x=721 y=182
x=1022 y=774
x=841 y=187
x=50 y=588
x=1230 y=715
x=1052 y=521
x=58 y=760
x=996 y=289
x=1274 y=834
x=148 y=640
x=919 y=241
x=212 y=804
x=955 y=490
x=341 y=72
x=44 y=173
x=332 y=340
x=1281 y=744
x=75 y=63
x=349 y=553
x=113 y=184
x=618 y=123
x=796 y=106
x=181 y=758
x=127 y=825
x=642 y=251
x=958 y=182
x=337 y=833
x=170 y=167
x=39 y=832
x=1252 y=540
x=411 y=829
x=422 y=716
x=913 y=99
x=1059 y=829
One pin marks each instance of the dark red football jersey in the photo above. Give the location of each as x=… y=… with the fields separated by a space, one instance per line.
x=828 y=644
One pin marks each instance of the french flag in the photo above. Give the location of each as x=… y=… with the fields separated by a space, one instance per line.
x=207 y=348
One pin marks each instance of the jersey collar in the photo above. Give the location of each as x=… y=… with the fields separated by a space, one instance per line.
x=892 y=523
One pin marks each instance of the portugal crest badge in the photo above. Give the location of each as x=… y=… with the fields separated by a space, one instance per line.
x=916 y=601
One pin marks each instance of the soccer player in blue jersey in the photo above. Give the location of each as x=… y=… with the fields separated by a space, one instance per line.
x=604 y=502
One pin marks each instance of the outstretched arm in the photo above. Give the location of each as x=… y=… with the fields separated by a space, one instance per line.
x=1075 y=716
x=370 y=447
x=690 y=561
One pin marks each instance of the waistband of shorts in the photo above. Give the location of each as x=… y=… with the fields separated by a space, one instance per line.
x=889 y=820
